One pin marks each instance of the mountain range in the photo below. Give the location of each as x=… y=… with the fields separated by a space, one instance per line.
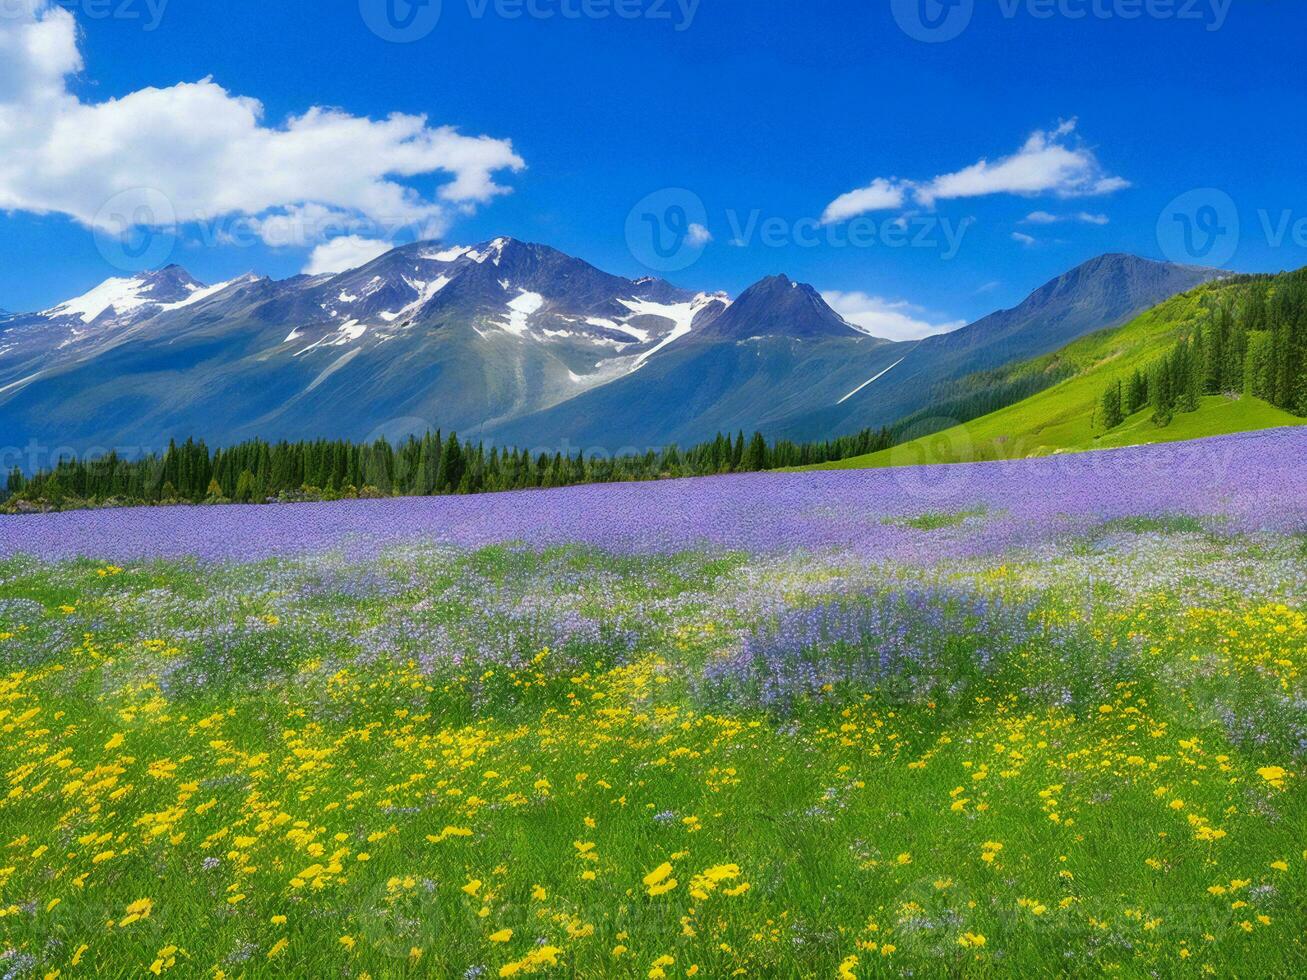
x=506 y=341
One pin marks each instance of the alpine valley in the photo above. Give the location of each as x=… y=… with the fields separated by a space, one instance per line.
x=508 y=342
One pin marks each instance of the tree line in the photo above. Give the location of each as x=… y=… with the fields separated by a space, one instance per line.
x=1251 y=340
x=432 y=464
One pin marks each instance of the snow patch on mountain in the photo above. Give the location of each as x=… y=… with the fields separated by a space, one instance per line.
x=495 y=251
x=199 y=294
x=639 y=335
x=332 y=368
x=520 y=310
x=426 y=291
x=446 y=255
x=682 y=316
x=120 y=295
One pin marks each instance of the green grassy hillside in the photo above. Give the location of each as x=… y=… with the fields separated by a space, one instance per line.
x=1061 y=418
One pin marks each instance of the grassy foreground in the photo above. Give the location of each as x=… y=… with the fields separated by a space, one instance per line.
x=509 y=762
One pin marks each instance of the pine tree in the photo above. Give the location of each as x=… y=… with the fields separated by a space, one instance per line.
x=451 y=466
x=1163 y=407
x=1137 y=393
x=1111 y=409
x=1187 y=377
x=244 y=487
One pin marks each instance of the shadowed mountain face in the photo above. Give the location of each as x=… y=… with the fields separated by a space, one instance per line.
x=505 y=340
x=808 y=375
x=778 y=307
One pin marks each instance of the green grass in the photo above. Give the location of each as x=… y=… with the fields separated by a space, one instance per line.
x=937 y=521
x=1060 y=419
x=1175 y=524
x=527 y=774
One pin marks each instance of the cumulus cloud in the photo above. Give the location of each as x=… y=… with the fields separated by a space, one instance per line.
x=211 y=154
x=1027 y=240
x=344 y=252
x=879 y=195
x=698 y=235
x=890 y=319
x=1050 y=163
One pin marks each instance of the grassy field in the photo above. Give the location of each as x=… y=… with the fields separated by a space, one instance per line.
x=507 y=761
x=1060 y=419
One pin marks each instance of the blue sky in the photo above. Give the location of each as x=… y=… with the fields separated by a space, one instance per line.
x=767 y=115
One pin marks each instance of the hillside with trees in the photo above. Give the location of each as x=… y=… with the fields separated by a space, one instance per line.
x=1229 y=356
x=1252 y=343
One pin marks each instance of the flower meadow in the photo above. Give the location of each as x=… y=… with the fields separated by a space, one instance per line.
x=1046 y=717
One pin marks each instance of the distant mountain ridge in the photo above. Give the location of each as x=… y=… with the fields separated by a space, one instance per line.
x=506 y=341
x=817 y=381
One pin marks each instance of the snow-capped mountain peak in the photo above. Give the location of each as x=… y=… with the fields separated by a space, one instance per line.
x=504 y=339
x=120 y=296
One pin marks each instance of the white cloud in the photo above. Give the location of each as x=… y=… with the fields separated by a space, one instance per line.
x=345 y=252
x=212 y=154
x=1044 y=218
x=1049 y=163
x=1027 y=240
x=879 y=195
x=698 y=235
x=890 y=319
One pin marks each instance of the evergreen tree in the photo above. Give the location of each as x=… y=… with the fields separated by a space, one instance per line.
x=1137 y=393
x=244 y=488
x=1112 y=412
